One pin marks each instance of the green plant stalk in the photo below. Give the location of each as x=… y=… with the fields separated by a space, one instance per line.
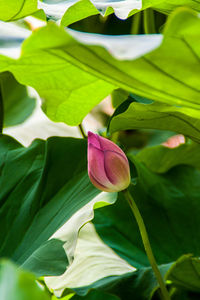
x=149 y=22
x=147 y=245
x=1 y=111
x=80 y=126
x=135 y=27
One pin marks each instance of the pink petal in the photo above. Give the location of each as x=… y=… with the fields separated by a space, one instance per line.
x=99 y=185
x=93 y=139
x=109 y=145
x=117 y=170
x=96 y=168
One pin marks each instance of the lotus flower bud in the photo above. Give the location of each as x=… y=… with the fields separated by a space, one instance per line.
x=108 y=166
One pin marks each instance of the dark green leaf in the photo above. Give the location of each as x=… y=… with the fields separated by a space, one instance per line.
x=18 y=105
x=48 y=260
x=41 y=187
x=96 y=295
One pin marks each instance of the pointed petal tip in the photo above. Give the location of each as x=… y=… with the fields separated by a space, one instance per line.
x=93 y=139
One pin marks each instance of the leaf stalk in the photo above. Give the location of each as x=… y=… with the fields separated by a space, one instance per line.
x=80 y=126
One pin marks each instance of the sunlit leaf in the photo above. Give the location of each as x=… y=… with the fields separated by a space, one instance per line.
x=75 y=75
x=12 y=10
x=157 y=116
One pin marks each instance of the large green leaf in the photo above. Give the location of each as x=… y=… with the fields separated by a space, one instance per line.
x=12 y=10
x=41 y=187
x=75 y=75
x=157 y=116
x=15 y=284
x=18 y=105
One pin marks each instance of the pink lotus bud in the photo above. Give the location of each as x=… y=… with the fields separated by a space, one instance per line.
x=108 y=166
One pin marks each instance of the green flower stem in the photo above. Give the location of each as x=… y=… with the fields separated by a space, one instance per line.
x=146 y=243
x=1 y=111
x=80 y=126
x=149 y=22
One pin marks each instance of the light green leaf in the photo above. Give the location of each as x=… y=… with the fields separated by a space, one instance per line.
x=12 y=10
x=161 y=159
x=75 y=75
x=157 y=116
x=16 y=284
x=78 y=11
x=170 y=5
x=18 y=105
x=49 y=185
x=118 y=97
x=85 y=8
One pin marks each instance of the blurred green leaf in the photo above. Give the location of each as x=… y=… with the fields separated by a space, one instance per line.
x=186 y=273
x=160 y=159
x=18 y=105
x=16 y=284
